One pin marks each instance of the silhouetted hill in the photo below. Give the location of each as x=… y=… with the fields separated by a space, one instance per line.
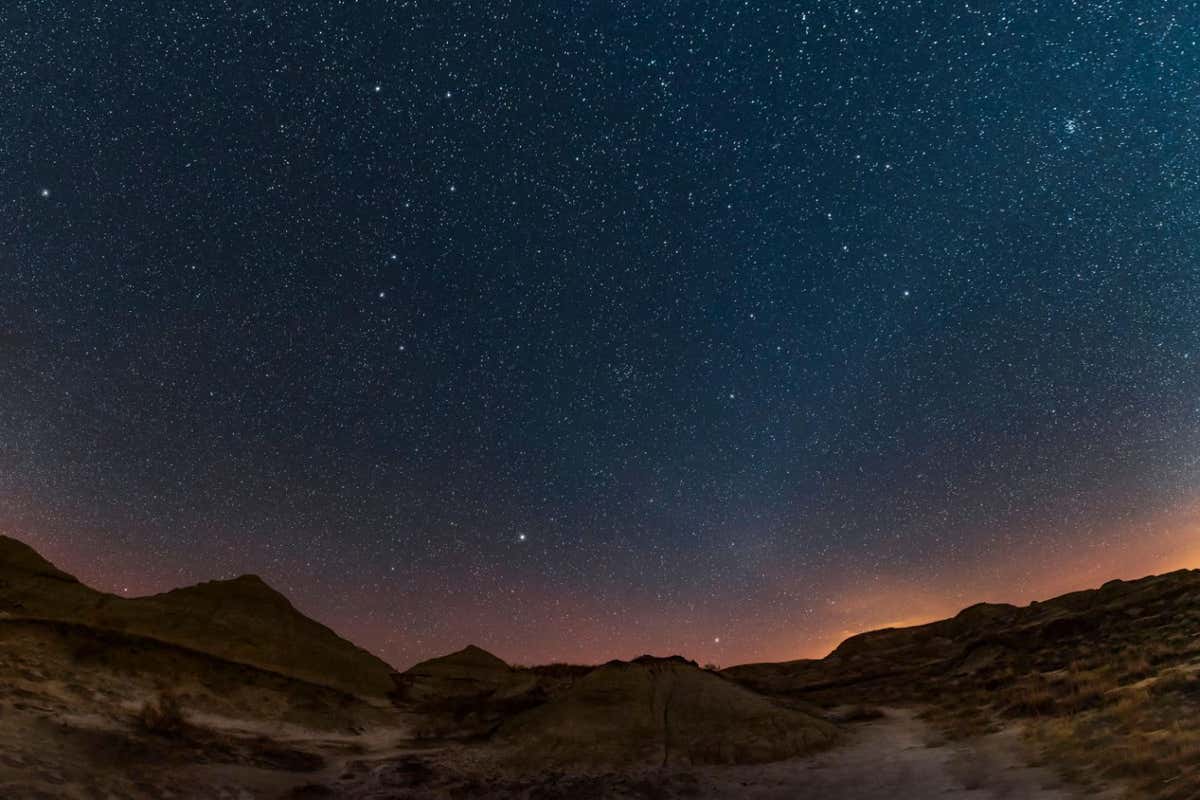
x=984 y=634
x=18 y=557
x=242 y=620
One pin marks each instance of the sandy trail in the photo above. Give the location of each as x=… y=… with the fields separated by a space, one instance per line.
x=900 y=758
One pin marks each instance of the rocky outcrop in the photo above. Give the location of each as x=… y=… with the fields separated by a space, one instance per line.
x=656 y=712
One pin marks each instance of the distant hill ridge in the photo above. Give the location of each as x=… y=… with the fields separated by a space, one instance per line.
x=245 y=620
x=242 y=620
x=985 y=634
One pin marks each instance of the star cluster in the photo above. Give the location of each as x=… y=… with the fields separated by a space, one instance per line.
x=577 y=330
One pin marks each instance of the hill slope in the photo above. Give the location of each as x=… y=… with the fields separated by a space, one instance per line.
x=987 y=635
x=242 y=620
x=659 y=712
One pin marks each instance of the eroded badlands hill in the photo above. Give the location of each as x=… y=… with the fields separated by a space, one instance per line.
x=242 y=620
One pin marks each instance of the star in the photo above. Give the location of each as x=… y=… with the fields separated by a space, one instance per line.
x=568 y=318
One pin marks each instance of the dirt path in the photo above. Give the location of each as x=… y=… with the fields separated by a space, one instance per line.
x=900 y=758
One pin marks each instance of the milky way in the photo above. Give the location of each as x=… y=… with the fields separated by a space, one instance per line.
x=578 y=330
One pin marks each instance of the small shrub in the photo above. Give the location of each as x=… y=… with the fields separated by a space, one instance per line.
x=1031 y=701
x=861 y=714
x=1129 y=712
x=1134 y=758
x=162 y=716
x=1176 y=681
x=1136 y=668
x=1084 y=690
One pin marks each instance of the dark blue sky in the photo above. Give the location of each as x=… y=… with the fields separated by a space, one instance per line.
x=582 y=329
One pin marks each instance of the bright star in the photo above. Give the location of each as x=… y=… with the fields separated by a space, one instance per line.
x=44 y=192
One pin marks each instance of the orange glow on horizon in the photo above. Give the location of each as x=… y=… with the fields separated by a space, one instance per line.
x=1166 y=542
x=584 y=629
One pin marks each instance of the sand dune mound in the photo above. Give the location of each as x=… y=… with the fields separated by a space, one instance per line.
x=468 y=692
x=656 y=712
x=242 y=620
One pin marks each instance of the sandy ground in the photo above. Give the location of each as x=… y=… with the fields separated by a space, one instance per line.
x=900 y=758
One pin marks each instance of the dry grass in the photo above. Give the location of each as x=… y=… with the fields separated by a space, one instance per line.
x=1128 y=718
x=1106 y=683
x=1181 y=682
x=1136 y=667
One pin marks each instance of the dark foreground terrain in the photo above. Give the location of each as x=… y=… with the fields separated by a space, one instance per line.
x=225 y=691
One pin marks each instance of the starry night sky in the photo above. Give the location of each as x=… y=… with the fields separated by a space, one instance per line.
x=579 y=330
